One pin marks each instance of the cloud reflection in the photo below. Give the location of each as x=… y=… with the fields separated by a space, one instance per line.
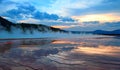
x=101 y=49
x=63 y=42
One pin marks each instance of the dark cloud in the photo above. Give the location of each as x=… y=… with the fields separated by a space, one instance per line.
x=92 y=22
x=26 y=10
x=67 y=19
x=20 y=11
x=44 y=15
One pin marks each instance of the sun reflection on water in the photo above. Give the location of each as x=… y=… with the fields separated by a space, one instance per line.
x=63 y=42
x=101 y=49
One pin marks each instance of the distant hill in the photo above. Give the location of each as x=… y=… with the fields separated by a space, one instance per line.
x=114 y=32
x=8 y=26
x=101 y=32
x=9 y=29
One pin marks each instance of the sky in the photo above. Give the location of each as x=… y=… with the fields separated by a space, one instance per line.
x=79 y=15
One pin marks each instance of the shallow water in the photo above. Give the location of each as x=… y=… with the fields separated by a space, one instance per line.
x=88 y=53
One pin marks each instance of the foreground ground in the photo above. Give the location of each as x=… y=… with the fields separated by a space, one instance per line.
x=91 y=53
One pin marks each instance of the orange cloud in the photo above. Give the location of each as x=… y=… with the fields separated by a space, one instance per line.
x=63 y=26
x=98 y=17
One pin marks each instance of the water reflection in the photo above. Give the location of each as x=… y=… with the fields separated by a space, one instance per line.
x=60 y=54
x=101 y=49
x=5 y=47
x=63 y=42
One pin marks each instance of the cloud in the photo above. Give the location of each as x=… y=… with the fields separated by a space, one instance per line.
x=20 y=12
x=110 y=17
x=63 y=14
x=69 y=7
x=91 y=26
x=29 y=20
x=62 y=27
x=66 y=7
x=53 y=23
x=44 y=15
x=105 y=6
x=25 y=10
x=6 y=5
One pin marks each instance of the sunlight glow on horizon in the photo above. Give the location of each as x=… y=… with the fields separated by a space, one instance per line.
x=98 y=17
x=62 y=26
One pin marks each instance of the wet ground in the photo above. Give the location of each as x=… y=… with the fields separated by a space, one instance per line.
x=91 y=53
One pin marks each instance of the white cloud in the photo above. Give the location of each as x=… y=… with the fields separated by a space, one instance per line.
x=30 y=20
x=62 y=7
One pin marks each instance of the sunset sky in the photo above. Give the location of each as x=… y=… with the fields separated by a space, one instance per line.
x=65 y=14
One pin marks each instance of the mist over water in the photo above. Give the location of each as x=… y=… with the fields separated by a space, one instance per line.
x=78 y=53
